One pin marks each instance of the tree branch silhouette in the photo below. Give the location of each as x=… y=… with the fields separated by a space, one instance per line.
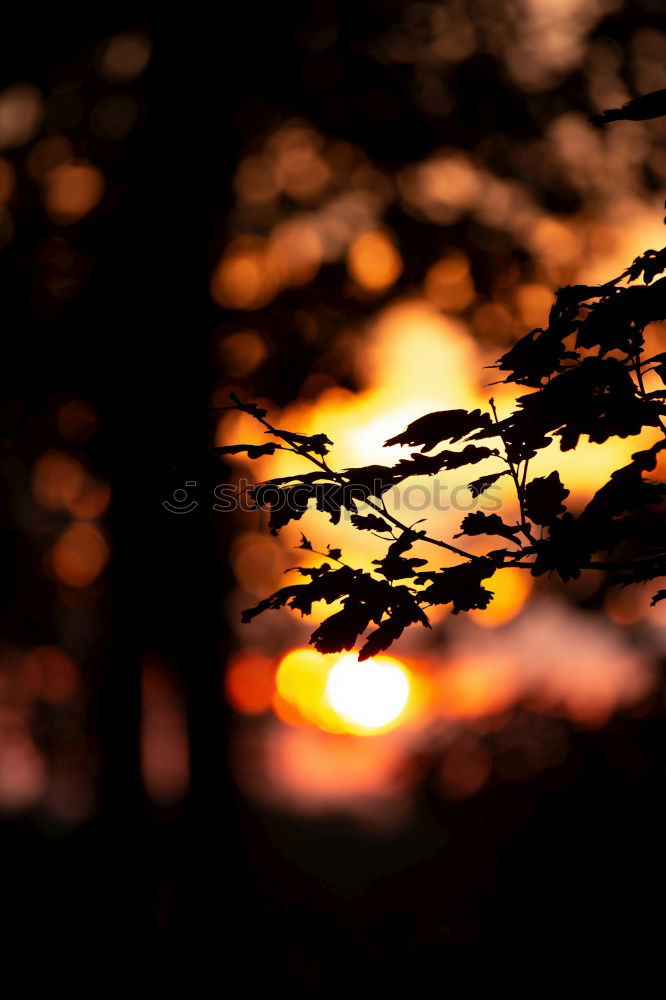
x=585 y=375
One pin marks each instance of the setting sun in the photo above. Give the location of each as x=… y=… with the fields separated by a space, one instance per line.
x=370 y=695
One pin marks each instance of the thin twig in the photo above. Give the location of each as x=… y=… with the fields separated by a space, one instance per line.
x=323 y=465
x=524 y=526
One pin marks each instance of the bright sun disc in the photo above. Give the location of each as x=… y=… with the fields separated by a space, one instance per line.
x=371 y=694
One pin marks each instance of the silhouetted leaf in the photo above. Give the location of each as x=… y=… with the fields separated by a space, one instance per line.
x=533 y=358
x=639 y=109
x=253 y=450
x=397 y=568
x=523 y=436
x=499 y=556
x=609 y=327
x=597 y=398
x=459 y=585
x=375 y=480
x=255 y=411
x=479 y=486
x=479 y=523
x=316 y=443
x=393 y=566
x=617 y=322
x=370 y=522
x=563 y=551
x=287 y=503
x=646 y=460
x=384 y=636
x=402 y=612
x=543 y=498
x=404 y=542
x=446 y=425
x=429 y=465
x=649 y=264
x=332 y=498
x=644 y=570
x=341 y=630
x=625 y=490
x=369 y=601
x=311 y=571
x=299 y=477
x=372 y=480
x=328 y=587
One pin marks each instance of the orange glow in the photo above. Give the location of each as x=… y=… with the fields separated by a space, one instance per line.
x=241 y=352
x=21 y=112
x=306 y=198
x=629 y=605
x=79 y=555
x=511 y=588
x=250 y=682
x=51 y=674
x=286 y=712
x=328 y=763
x=534 y=302
x=299 y=170
x=60 y=483
x=91 y=502
x=294 y=252
x=471 y=688
x=494 y=322
x=315 y=772
x=465 y=769
x=448 y=282
x=72 y=190
x=23 y=771
x=57 y=480
x=7 y=181
x=374 y=262
x=555 y=242
x=413 y=360
x=624 y=605
x=443 y=186
x=339 y=694
x=424 y=351
x=255 y=182
x=655 y=339
x=165 y=760
x=584 y=669
x=301 y=682
x=244 y=278
x=125 y=56
x=257 y=561
x=55 y=774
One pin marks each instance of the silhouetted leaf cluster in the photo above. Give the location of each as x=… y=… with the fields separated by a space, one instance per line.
x=585 y=373
x=459 y=586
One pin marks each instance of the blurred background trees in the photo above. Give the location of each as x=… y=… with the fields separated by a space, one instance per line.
x=333 y=209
